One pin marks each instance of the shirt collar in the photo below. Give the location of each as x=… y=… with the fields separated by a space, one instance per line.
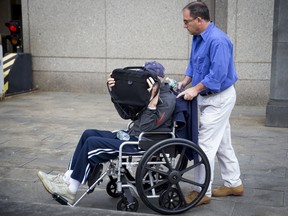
x=205 y=34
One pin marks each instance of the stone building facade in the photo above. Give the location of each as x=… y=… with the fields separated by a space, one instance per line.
x=75 y=44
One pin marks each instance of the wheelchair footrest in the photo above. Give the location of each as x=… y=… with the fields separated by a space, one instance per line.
x=60 y=199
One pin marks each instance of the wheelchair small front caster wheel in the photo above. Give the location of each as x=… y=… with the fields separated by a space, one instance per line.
x=111 y=189
x=123 y=205
x=170 y=199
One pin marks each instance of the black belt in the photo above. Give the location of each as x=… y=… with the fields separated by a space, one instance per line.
x=208 y=93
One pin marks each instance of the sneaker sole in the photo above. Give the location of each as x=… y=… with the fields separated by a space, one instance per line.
x=203 y=203
x=228 y=194
x=237 y=194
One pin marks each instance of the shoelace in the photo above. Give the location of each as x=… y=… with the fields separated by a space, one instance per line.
x=58 y=178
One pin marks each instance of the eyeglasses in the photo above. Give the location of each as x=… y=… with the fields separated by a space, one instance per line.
x=186 y=22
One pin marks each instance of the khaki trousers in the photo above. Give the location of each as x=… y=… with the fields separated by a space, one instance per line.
x=215 y=137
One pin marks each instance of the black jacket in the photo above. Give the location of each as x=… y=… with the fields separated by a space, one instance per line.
x=186 y=118
x=161 y=118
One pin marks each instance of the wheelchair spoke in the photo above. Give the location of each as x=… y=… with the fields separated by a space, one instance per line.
x=166 y=160
x=180 y=160
x=156 y=185
x=192 y=182
x=148 y=167
x=180 y=192
x=191 y=167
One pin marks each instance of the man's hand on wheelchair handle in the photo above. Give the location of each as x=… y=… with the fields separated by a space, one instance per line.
x=188 y=94
x=192 y=92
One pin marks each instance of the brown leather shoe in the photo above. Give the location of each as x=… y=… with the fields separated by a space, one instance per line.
x=228 y=191
x=192 y=196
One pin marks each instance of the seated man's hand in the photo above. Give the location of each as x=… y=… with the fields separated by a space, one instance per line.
x=153 y=89
x=111 y=82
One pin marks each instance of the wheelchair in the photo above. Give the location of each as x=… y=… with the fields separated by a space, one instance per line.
x=164 y=173
x=160 y=174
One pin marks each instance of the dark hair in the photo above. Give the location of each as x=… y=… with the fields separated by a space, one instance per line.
x=198 y=9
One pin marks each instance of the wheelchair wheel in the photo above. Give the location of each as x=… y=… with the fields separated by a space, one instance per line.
x=123 y=205
x=170 y=199
x=111 y=188
x=168 y=171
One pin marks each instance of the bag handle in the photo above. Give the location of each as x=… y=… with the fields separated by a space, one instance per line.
x=135 y=67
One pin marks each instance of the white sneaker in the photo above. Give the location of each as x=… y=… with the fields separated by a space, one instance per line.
x=44 y=178
x=56 y=187
x=59 y=178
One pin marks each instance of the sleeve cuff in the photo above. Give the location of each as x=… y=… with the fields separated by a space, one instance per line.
x=152 y=108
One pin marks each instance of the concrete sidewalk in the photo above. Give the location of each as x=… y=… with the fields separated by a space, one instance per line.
x=39 y=131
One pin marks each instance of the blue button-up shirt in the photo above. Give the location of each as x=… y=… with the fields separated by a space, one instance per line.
x=212 y=60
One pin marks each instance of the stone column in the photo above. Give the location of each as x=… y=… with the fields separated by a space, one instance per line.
x=277 y=107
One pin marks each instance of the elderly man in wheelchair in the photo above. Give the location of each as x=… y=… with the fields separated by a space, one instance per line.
x=164 y=164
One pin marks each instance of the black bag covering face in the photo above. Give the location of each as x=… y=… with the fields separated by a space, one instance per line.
x=130 y=95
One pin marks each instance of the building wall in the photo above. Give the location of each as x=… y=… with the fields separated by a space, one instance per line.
x=250 y=26
x=76 y=44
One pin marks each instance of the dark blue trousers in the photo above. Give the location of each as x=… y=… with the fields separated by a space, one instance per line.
x=94 y=147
